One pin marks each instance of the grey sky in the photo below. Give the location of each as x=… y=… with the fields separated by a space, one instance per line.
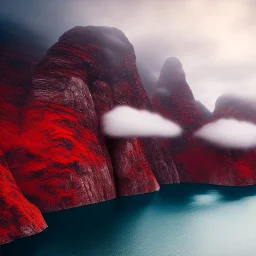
x=214 y=39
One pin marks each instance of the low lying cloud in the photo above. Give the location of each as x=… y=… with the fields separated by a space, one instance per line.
x=124 y=121
x=229 y=133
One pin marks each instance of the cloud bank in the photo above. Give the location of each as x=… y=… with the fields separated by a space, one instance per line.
x=124 y=121
x=229 y=133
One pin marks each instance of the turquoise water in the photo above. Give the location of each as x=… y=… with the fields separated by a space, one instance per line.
x=179 y=220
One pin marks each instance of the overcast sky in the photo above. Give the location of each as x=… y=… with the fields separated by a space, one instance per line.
x=214 y=39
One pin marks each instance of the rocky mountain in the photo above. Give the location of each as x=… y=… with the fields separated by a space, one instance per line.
x=19 y=217
x=197 y=160
x=174 y=100
x=207 y=163
x=18 y=52
x=173 y=97
x=64 y=160
x=53 y=153
x=242 y=162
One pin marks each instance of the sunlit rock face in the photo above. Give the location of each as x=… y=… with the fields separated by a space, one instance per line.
x=64 y=160
x=174 y=99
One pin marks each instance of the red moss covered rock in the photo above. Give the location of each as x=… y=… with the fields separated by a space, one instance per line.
x=64 y=159
x=174 y=100
x=17 y=55
x=222 y=166
x=18 y=217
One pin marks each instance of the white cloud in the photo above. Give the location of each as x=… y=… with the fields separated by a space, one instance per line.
x=124 y=121
x=229 y=133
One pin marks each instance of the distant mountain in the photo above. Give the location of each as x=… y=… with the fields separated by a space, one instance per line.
x=174 y=100
x=211 y=164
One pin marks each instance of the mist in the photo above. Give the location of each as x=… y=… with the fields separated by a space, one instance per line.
x=215 y=40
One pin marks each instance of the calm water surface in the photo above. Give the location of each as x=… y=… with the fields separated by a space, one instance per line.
x=179 y=220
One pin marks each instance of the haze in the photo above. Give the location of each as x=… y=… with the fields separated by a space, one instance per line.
x=215 y=40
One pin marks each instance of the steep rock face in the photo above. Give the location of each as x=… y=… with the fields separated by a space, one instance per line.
x=59 y=148
x=132 y=171
x=197 y=160
x=243 y=162
x=64 y=160
x=18 y=217
x=119 y=79
x=216 y=165
x=174 y=100
x=121 y=82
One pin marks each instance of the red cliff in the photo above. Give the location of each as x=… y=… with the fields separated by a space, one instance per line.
x=211 y=164
x=197 y=160
x=18 y=217
x=174 y=99
x=243 y=162
x=64 y=161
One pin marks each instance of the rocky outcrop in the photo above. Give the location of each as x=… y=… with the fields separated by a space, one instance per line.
x=196 y=160
x=242 y=162
x=174 y=100
x=18 y=217
x=59 y=146
x=55 y=155
x=64 y=160
x=222 y=166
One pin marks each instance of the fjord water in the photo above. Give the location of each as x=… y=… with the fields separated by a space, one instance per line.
x=179 y=220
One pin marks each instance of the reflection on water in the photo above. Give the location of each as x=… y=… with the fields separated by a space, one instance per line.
x=179 y=220
x=206 y=199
